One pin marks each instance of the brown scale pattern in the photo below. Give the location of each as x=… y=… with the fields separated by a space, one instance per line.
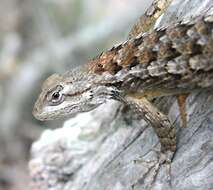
x=165 y=44
x=145 y=56
x=176 y=57
x=208 y=49
x=175 y=33
x=147 y=20
x=104 y=63
x=126 y=55
x=201 y=27
x=165 y=51
x=150 y=40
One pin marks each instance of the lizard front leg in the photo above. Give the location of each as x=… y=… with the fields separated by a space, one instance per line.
x=163 y=129
x=160 y=122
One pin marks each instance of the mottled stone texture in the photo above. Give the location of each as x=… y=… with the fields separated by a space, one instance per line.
x=108 y=149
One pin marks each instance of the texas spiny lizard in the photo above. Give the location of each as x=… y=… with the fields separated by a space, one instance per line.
x=173 y=60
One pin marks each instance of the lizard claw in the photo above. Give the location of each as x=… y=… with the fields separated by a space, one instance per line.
x=154 y=166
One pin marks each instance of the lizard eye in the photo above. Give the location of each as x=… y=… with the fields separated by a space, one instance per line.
x=55 y=97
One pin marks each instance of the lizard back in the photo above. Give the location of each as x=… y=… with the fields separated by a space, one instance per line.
x=168 y=60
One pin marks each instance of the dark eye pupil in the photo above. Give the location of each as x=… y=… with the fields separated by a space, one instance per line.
x=55 y=95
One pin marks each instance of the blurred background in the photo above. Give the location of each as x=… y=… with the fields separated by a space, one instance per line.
x=38 y=38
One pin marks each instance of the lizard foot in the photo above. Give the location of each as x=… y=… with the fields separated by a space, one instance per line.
x=153 y=168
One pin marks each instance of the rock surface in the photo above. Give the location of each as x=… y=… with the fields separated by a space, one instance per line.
x=104 y=150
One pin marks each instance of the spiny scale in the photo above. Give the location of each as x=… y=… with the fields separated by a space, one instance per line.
x=146 y=21
x=179 y=56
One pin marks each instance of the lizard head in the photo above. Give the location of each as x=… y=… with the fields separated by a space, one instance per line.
x=66 y=96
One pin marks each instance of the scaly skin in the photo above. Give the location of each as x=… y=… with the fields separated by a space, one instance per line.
x=169 y=61
x=147 y=21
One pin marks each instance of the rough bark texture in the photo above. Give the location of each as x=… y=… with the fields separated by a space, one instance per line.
x=108 y=149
